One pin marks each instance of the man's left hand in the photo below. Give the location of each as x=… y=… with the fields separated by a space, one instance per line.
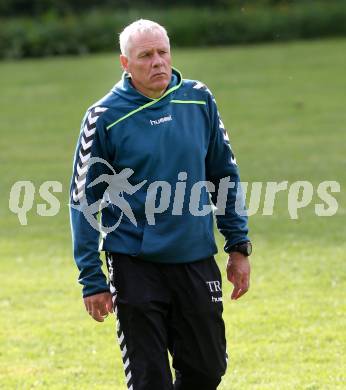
x=238 y=273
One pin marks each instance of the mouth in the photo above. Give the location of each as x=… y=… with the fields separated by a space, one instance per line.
x=161 y=74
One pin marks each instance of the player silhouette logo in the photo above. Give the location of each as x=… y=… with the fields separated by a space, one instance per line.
x=118 y=184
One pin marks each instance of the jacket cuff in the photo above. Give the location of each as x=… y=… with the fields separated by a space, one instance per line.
x=89 y=293
x=94 y=285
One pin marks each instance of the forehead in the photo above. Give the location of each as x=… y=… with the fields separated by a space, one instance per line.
x=147 y=40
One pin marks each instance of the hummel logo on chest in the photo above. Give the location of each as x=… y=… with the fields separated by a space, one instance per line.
x=161 y=120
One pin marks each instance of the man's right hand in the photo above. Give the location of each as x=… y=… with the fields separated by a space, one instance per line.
x=99 y=305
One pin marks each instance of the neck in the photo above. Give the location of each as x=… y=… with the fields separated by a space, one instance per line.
x=148 y=93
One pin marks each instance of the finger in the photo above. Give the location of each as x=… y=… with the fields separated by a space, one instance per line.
x=236 y=289
x=103 y=308
x=97 y=316
x=244 y=287
x=110 y=305
x=110 y=308
x=88 y=307
x=104 y=313
x=245 y=282
x=94 y=309
x=235 y=293
x=242 y=292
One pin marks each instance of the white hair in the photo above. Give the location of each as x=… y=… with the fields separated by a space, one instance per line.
x=139 y=26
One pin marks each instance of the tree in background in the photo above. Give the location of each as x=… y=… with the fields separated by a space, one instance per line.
x=63 y=7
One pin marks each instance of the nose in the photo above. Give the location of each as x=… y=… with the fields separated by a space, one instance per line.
x=157 y=60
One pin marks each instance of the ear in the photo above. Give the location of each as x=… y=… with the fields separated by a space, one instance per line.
x=124 y=62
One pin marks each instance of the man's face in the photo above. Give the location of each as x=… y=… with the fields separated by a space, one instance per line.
x=149 y=63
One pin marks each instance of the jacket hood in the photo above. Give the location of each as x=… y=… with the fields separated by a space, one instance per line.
x=126 y=90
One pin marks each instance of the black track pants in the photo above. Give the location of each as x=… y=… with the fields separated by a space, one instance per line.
x=169 y=307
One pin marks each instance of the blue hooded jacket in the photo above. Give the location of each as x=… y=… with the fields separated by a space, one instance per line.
x=144 y=163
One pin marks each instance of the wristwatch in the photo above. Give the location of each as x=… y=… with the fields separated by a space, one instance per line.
x=245 y=248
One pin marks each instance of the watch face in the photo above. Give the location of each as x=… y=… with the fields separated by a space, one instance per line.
x=248 y=248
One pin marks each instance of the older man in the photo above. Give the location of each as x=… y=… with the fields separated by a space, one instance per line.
x=150 y=155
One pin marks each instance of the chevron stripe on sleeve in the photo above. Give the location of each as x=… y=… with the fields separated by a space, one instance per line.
x=203 y=87
x=84 y=152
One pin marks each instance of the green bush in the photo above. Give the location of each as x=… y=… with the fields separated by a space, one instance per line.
x=97 y=30
x=63 y=7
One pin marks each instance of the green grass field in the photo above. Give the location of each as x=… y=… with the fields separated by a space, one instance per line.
x=285 y=108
